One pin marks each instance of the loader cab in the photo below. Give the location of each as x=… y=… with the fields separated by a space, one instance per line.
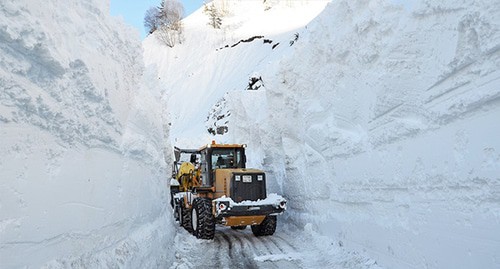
x=220 y=156
x=227 y=158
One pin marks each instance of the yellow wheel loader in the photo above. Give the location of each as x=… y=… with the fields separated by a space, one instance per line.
x=212 y=185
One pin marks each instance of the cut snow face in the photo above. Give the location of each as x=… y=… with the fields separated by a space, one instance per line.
x=81 y=141
x=199 y=74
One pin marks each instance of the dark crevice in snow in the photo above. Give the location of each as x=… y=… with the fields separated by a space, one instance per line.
x=265 y=41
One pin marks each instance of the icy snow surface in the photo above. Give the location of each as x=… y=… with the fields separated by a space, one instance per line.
x=82 y=169
x=379 y=123
x=292 y=249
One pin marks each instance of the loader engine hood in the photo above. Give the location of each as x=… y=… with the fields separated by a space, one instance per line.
x=241 y=184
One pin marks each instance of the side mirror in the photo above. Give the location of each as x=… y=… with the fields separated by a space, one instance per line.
x=177 y=154
x=174 y=170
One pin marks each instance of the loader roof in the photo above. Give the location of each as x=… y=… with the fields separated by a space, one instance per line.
x=215 y=145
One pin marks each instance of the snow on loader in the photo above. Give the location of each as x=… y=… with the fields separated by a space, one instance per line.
x=211 y=185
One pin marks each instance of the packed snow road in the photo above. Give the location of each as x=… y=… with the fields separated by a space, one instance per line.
x=241 y=249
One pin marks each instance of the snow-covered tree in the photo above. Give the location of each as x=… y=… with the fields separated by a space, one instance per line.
x=151 y=19
x=171 y=12
x=214 y=15
x=165 y=20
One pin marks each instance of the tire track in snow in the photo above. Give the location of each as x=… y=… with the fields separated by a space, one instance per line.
x=276 y=244
x=238 y=256
x=281 y=239
x=247 y=254
x=259 y=248
x=279 y=255
x=256 y=241
x=226 y=250
x=218 y=263
x=229 y=244
x=238 y=249
x=260 y=252
x=248 y=238
x=273 y=249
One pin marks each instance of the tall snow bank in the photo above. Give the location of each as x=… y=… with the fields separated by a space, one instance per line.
x=82 y=166
x=381 y=129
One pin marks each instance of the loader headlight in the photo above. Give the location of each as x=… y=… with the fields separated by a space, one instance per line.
x=283 y=205
x=221 y=206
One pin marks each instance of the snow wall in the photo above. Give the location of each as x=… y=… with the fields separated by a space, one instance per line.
x=382 y=129
x=82 y=167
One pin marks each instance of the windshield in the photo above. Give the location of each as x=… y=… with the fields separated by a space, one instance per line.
x=227 y=158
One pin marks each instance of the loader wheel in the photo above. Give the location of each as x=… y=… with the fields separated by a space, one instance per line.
x=186 y=219
x=239 y=227
x=267 y=227
x=203 y=221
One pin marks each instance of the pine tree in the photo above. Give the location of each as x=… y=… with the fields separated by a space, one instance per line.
x=214 y=16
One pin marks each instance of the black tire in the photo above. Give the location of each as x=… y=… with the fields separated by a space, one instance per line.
x=186 y=219
x=267 y=227
x=203 y=221
x=239 y=227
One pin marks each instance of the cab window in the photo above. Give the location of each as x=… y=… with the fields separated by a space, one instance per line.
x=227 y=158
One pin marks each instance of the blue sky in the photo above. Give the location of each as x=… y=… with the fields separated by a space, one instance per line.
x=133 y=11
